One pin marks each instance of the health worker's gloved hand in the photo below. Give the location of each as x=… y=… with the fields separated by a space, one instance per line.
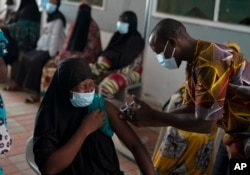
x=3 y=44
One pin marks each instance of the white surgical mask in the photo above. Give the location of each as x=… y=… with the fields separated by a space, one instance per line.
x=122 y=27
x=82 y=99
x=50 y=8
x=169 y=63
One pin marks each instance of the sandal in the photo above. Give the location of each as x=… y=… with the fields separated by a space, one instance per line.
x=12 y=88
x=32 y=99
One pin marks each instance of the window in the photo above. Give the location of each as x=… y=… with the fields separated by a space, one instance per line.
x=97 y=3
x=235 y=11
x=227 y=11
x=190 y=8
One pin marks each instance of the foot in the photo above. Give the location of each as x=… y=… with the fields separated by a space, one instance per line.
x=14 y=87
x=32 y=99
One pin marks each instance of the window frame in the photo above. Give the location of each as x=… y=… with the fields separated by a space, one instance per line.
x=209 y=23
x=93 y=6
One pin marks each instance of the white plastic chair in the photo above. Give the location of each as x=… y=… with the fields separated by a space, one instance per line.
x=30 y=156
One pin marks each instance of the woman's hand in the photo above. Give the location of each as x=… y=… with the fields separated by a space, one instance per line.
x=93 y=121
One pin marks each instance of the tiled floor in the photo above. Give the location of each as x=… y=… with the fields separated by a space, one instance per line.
x=20 y=117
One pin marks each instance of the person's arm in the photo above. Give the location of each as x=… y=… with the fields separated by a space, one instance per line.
x=241 y=91
x=63 y=157
x=3 y=70
x=182 y=117
x=130 y=139
x=201 y=111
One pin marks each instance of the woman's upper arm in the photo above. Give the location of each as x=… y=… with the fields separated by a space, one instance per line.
x=121 y=127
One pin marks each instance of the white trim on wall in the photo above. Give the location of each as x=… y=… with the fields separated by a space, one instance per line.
x=93 y=6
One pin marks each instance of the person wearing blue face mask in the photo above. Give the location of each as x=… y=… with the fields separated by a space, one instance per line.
x=212 y=70
x=74 y=127
x=48 y=46
x=119 y=64
x=22 y=31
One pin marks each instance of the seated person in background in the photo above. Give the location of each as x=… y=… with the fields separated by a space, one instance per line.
x=48 y=45
x=5 y=140
x=74 y=127
x=23 y=31
x=182 y=152
x=3 y=51
x=83 y=38
x=118 y=63
x=83 y=41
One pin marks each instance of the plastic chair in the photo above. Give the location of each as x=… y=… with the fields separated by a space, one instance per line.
x=30 y=156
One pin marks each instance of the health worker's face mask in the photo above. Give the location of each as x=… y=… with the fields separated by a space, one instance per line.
x=82 y=99
x=122 y=27
x=169 y=63
x=50 y=8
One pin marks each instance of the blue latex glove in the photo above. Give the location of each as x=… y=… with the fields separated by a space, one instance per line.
x=3 y=44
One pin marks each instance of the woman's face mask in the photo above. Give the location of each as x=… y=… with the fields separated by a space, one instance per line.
x=169 y=63
x=122 y=27
x=50 y=8
x=82 y=99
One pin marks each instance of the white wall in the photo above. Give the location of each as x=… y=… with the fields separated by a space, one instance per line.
x=105 y=37
x=2 y=9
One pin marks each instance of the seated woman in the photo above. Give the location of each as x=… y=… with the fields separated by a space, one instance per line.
x=74 y=127
x=48 y=45
x=22 y=32
x=3 y=51
x=83 y=41
x=182 y=152
x=5 y=139
x=118 y=63
x=10 y=11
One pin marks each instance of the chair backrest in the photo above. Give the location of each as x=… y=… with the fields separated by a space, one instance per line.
x=30 y=156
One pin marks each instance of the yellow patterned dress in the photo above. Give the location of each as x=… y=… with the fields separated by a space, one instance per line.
x=182 y=152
